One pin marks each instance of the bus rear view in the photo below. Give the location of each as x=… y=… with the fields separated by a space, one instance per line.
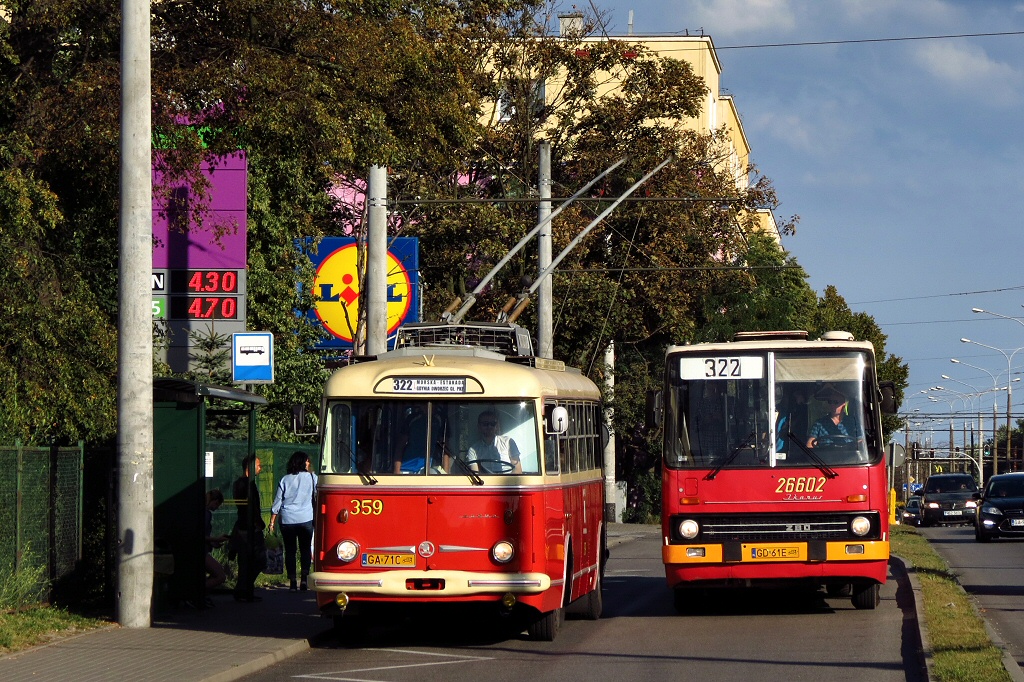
x=774 y=471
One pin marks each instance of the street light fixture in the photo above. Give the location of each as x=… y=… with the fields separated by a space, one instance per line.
x=1009 y=388
x=995 y=411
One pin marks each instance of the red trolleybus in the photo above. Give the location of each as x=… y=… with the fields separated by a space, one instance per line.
x=459 y=468
x=774 y=470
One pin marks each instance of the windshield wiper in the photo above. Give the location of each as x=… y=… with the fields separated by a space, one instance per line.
x=818 y=461
x=728 y=460
x=473 y=476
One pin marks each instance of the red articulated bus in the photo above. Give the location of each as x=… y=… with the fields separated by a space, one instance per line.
x=774 y=471
x=461 y=469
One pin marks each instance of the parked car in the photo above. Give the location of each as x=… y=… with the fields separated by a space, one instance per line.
x=912 y=512
x=948 y=499
x=1000 y=512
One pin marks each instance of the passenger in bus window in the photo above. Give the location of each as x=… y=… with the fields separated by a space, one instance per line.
x=831 y=430
x=791 y=406
x=493 y=453
x=411 y=444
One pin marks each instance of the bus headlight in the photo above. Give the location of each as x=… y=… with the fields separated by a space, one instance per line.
x=348 y=550
x=502 y=551
x=860 y=526
x=689 y=529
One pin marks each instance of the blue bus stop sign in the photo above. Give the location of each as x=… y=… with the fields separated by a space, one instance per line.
x=252 y=358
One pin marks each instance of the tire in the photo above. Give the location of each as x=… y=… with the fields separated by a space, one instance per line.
x=981 y=537
x=688 y=602
x=844 y=590
x=594 y=600
x=545 y=628
x=865 y=596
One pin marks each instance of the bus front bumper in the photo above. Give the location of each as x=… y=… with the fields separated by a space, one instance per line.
x=755 y=553
x=428 y=584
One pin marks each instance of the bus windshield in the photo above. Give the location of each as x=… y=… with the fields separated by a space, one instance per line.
x=770 y=409
x=430 y=437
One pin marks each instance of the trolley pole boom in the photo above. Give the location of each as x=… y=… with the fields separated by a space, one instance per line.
x=524 y=297
x=471 y=298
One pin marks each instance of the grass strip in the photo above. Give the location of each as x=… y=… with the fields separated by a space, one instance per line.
x=961 y=648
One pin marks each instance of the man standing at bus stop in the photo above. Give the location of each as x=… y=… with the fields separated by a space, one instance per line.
x=247 y=536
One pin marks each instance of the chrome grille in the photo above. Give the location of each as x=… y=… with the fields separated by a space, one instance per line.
x=773 y=527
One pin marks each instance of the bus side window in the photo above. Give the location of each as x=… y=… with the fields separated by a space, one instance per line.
x=550 y=454
x=550 y=442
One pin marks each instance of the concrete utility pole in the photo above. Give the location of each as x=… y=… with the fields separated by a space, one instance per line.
x=611 y=512
x=135 y=325
x=376 y=294
x=545 y=326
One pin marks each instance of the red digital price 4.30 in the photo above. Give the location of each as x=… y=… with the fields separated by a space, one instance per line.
x=204 y=307
x=204 y=281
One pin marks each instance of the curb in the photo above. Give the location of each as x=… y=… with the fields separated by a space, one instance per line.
x=259 y=664
x=922 y=624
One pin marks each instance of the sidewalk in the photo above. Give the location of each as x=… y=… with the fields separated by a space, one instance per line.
x=220 y=644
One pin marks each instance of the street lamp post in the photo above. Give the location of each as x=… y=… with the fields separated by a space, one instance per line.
x=978 y=452
x=1009 y=391
x=995 y=424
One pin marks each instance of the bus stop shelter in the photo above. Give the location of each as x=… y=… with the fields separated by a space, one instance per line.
x=182 y=464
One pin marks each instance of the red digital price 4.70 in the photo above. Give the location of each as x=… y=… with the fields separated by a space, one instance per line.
x=204 y=307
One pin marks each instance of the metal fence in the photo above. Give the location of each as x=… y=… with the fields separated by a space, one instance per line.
x=226 y=459
x=41 y=508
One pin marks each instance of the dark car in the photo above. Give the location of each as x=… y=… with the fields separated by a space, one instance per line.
x=1001 y=508
x=911 y=515
x=947 y=499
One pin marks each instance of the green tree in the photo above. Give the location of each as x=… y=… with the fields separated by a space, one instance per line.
x=58 y=350
x=312 y=92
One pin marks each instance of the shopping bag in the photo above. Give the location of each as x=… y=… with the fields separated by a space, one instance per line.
x=275 y=561
x=274 y=552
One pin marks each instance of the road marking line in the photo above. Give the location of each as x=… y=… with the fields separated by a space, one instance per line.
x=333 y=676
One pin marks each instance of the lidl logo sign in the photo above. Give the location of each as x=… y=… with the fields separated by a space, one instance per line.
x=337 y=286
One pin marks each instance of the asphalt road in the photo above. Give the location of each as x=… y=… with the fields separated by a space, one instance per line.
x=752 y=635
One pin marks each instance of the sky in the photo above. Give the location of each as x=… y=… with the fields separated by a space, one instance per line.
x=902 y=159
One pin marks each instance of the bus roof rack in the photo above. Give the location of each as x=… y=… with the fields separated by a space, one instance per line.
x=505 y=338
x=790 y=335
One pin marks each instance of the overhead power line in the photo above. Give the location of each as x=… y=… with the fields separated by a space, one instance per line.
x=817 y=43
x=873 y=40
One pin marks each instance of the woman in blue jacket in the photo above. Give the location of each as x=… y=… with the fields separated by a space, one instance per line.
x=293 y=504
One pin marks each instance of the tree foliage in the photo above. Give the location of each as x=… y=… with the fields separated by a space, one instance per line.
x=453 y=97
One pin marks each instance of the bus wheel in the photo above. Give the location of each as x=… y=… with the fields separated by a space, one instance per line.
x=865 y=596
x=843 y=590
x=545 y=628
x=347 y=630
x=594 y=600
x=687 y=602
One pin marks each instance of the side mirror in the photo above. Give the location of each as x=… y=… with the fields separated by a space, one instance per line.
x=299 y=424
x=888 y=391
x=298 y=418
x=654 y=409
x=558 y=420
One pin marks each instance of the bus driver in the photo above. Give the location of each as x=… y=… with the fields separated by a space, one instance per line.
x=492 y=453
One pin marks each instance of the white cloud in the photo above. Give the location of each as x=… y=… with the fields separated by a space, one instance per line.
x=961 y=64
x=739 y=17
